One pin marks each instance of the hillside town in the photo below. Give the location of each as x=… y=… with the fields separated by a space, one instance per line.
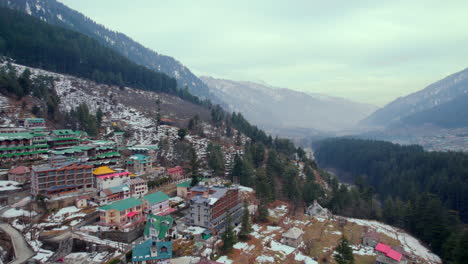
x=68 y=198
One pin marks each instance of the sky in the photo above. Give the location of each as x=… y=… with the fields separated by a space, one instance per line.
x=363 y=50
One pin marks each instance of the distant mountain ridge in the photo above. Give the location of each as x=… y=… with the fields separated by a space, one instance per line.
x=434 y=95
x=278 y=108
x=57 y=13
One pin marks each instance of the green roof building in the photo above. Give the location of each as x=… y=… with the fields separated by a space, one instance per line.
x=152 y=251
x=158 y=227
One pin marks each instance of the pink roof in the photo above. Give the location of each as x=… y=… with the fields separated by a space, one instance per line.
x=19 y=170
x=382 y=248
x=389 y=252
x=168 y=211
x=125 y=173
x=394 y=255
x=175 y=169
x=132 y=213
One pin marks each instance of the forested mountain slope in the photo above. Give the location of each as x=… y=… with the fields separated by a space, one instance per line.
x=54 y=12
x=423 y=192
x=438 y=93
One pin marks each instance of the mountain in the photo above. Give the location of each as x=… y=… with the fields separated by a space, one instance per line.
x=277 y=109
x=452 y=114
x=434 y=95
x=56 y=13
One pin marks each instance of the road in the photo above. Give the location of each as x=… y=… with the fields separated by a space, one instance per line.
x=22 y=250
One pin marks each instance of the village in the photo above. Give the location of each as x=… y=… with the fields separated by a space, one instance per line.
x=70 y=199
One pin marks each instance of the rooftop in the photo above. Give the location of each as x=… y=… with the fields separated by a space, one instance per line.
x=142 y=252
x=161 y=223
x=156 y=197
x=20 y=170
x=103 y=170
x=122 y=204
x=185 y=184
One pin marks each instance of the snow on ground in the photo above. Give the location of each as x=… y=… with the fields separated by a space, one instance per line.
x=225 y=260
x=265 y=259
x=245 y=189
x=23 y=202
x=278 y=247
x=363 y=250
x=9 y=185
x=409 y=243
x=17 y=212
x=279 y=211
x=307 y=260
x=43 y=255
x=93 y=228
x=194 y=230
x=17 y=225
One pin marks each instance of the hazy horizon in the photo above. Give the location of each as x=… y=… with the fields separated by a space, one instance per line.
x=366 y=51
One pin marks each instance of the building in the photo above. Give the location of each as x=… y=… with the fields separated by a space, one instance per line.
x=108 y=178
x=387 y=255
x=105 y=154
x=316 y=210
x=31 y=123
x=20 y=147
x=157 y=203
x=63 y=138
x=113 y=194
x=139 y=164
x=19 y=174
x=138 y=187
x=159 y=228
x=370 y=239
x=293 y=237
x=176 y=173
x=183 y=189
x=62 y=178
x=152 y=252
x=211 y=206
x=82 y=201
x=122 y=214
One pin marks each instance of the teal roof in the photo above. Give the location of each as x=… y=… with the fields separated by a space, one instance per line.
x=35 y=120
x=122 y=204
x=161 y=223
x=63 y=132
x=142 y=252
x=12 y=136
x=156 y=197
x=185 y=184
x=118 y=189
x=139 y=157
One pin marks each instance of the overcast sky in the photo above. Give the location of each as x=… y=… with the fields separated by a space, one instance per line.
x=369 y=51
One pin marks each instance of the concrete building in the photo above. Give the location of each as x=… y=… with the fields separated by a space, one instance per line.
x=19 y=174
x=138 y=187
x=19 y=147
x=210 y=207
x=108 y=178
x=122 y=214
x=62 y=178
x=157 y=203
x=370 y=239
x=183 y=189
x=139 y=164
x=293 y=237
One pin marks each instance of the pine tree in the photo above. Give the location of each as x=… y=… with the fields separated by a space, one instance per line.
x=262 y=211
x=182 y=133
x=194 y=164
x=245 y=224
x=228 y=237
x=344 y=253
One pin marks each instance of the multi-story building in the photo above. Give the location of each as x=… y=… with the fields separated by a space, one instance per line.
x=211 y=207
x=138 y=187
x=139 y=164
x=113 y=194
x=107 y=178
x=19 y=147
x=122 y=214
x=105 y=154
x=62 y=178
x=63 y=138
x=34 y=123
x=19 y=174
x=157 y=203
x=176 y=173
x=159 y=228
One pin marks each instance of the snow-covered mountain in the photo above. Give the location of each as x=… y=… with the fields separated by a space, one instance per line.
x=436 y=94
x=56 y=13
x=279 y=108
